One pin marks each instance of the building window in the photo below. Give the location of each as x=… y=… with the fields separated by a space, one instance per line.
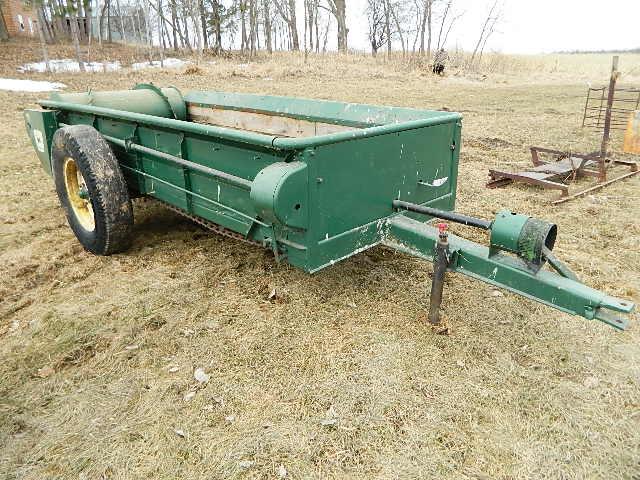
x=21 y=23
x=30 y=26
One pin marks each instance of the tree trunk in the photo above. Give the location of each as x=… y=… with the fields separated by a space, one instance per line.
x=315 y=18
x=79 y=15
x=426 y=15
x=135 y=20
x=186 y=32
x=326 y=37
x=482 y=33
x=387 y=25
x=293 y=25
x=122 y=32
x=253 y=27
x=42 y=20
x=309 y=24
x=99 y=17
x=203 y=23
x=49 y=33
x=398 y=29
x=147 y=24
x=108 y=5
x=267 y=25
x=217 y=26
x=305 y=12
x=444 y=19
x=166 y=38
x=290 y=18
x=89 y=22
x=243 y=26
x=174 y=19
x=74 y=36
x=43 y=43
x=341 y=18
x=61 y=15
x=196 y=18
x=160 y=38
x=429 y=25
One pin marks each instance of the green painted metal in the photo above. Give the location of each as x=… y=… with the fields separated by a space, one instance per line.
x=277 y=192
x=41 y=125
x=319 y=199
x=505 y=231
x=522 y=235
x=508 y=272
x=143 y=98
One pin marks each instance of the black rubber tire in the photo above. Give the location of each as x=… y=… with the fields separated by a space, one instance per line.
x=106 y=187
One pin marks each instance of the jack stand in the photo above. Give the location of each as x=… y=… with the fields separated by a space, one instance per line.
x=440 y=265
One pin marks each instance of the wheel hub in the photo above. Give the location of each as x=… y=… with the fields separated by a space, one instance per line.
x=78 y=195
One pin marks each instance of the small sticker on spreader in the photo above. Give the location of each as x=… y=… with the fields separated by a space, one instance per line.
x=39 y=139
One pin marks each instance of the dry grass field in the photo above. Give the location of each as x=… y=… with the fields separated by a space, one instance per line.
x=337 y=376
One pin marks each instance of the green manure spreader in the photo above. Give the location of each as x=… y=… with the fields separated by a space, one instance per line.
x=313 y=181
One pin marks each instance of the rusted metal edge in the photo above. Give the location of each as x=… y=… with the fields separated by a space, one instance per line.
x=593 y=188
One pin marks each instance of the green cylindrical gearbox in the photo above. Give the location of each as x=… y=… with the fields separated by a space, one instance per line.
x=143 y=98
x=523 y=235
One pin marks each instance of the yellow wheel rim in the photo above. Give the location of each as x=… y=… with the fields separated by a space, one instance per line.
x=78 y=195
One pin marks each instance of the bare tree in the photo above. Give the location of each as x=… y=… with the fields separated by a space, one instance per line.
x=203 y=24
x=160 y=39
x=73 y=20
x=442 y=41
x=175 y=24
x=147 y=24
x=387 y=25
x=425 y=27
x=488 y=28
x=122 y=32
x=254 y=41
x=393 y=8
x=216 y=24
x=194 y=12
x=43 y=45
x=287 y=10
x=267 y=25
x=377 y=26
x=338 y=10
x=174 y=19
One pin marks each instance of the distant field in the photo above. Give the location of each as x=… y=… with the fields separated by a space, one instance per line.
x=97 y=354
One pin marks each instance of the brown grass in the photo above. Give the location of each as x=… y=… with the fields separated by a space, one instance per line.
x=337 y=377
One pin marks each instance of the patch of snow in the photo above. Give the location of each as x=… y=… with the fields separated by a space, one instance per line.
x=69 y=65
x=168 y=63
x=15 y=85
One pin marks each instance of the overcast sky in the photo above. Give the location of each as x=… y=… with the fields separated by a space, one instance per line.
x=529 y=26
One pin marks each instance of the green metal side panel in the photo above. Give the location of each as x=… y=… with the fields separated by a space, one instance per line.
x=229 y=157
x=41 y=125
x=352 y=186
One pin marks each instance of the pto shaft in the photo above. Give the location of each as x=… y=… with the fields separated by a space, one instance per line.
x=443 y=214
